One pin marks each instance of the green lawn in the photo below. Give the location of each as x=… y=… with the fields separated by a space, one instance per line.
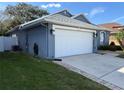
x=21 y=71
x=121 y=55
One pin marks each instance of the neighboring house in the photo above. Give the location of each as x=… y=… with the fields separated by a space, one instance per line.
x=58 y=35
x=114 y=29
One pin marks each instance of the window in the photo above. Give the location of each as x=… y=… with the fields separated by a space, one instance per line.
x=102 y=37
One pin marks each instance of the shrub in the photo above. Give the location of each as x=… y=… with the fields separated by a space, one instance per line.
x=16 y=48
x=121 y=55
x=103 y=47
x=110 y=47
x=118 y=48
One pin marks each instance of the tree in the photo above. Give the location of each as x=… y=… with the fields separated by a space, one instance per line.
x=2 y=19
x=120 y=38
x=21 y=13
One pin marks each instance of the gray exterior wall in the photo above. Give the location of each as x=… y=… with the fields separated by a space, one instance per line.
x=38 y=35
x=21 y=39
x=42 y=36
x=106 y=38
x=51 y=41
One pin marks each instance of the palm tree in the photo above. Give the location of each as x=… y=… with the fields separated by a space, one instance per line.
x=120 y=38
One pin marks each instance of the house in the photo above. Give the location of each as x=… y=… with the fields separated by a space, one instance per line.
x=58 y=35
x=114 y=29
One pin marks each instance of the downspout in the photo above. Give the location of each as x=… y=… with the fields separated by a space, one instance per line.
x=47 y=28
x=27 y=42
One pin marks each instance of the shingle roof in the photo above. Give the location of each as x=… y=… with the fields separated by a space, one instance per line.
x=14 y=29
x=63 y=20
x=82 y=16
x=60 y=19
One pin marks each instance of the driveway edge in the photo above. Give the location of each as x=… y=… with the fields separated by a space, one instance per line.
x=92 y=77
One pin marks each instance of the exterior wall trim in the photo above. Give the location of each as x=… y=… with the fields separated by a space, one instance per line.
x=72 y=28
x=50 y=41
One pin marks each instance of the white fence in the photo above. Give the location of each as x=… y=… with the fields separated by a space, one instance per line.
x=6 y=43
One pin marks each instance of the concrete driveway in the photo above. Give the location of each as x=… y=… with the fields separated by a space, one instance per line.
x=106 y=67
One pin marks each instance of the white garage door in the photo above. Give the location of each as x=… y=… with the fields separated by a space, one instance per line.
x=69 y=43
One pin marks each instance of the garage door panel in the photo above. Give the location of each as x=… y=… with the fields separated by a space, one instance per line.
x=69 y=43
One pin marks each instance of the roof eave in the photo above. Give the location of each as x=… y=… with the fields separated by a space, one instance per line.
x=58 y=23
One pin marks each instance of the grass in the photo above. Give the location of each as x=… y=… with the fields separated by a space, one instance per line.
x=21 y=71
x=121 y=55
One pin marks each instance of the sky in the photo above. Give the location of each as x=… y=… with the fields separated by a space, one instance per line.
x=96 y=12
